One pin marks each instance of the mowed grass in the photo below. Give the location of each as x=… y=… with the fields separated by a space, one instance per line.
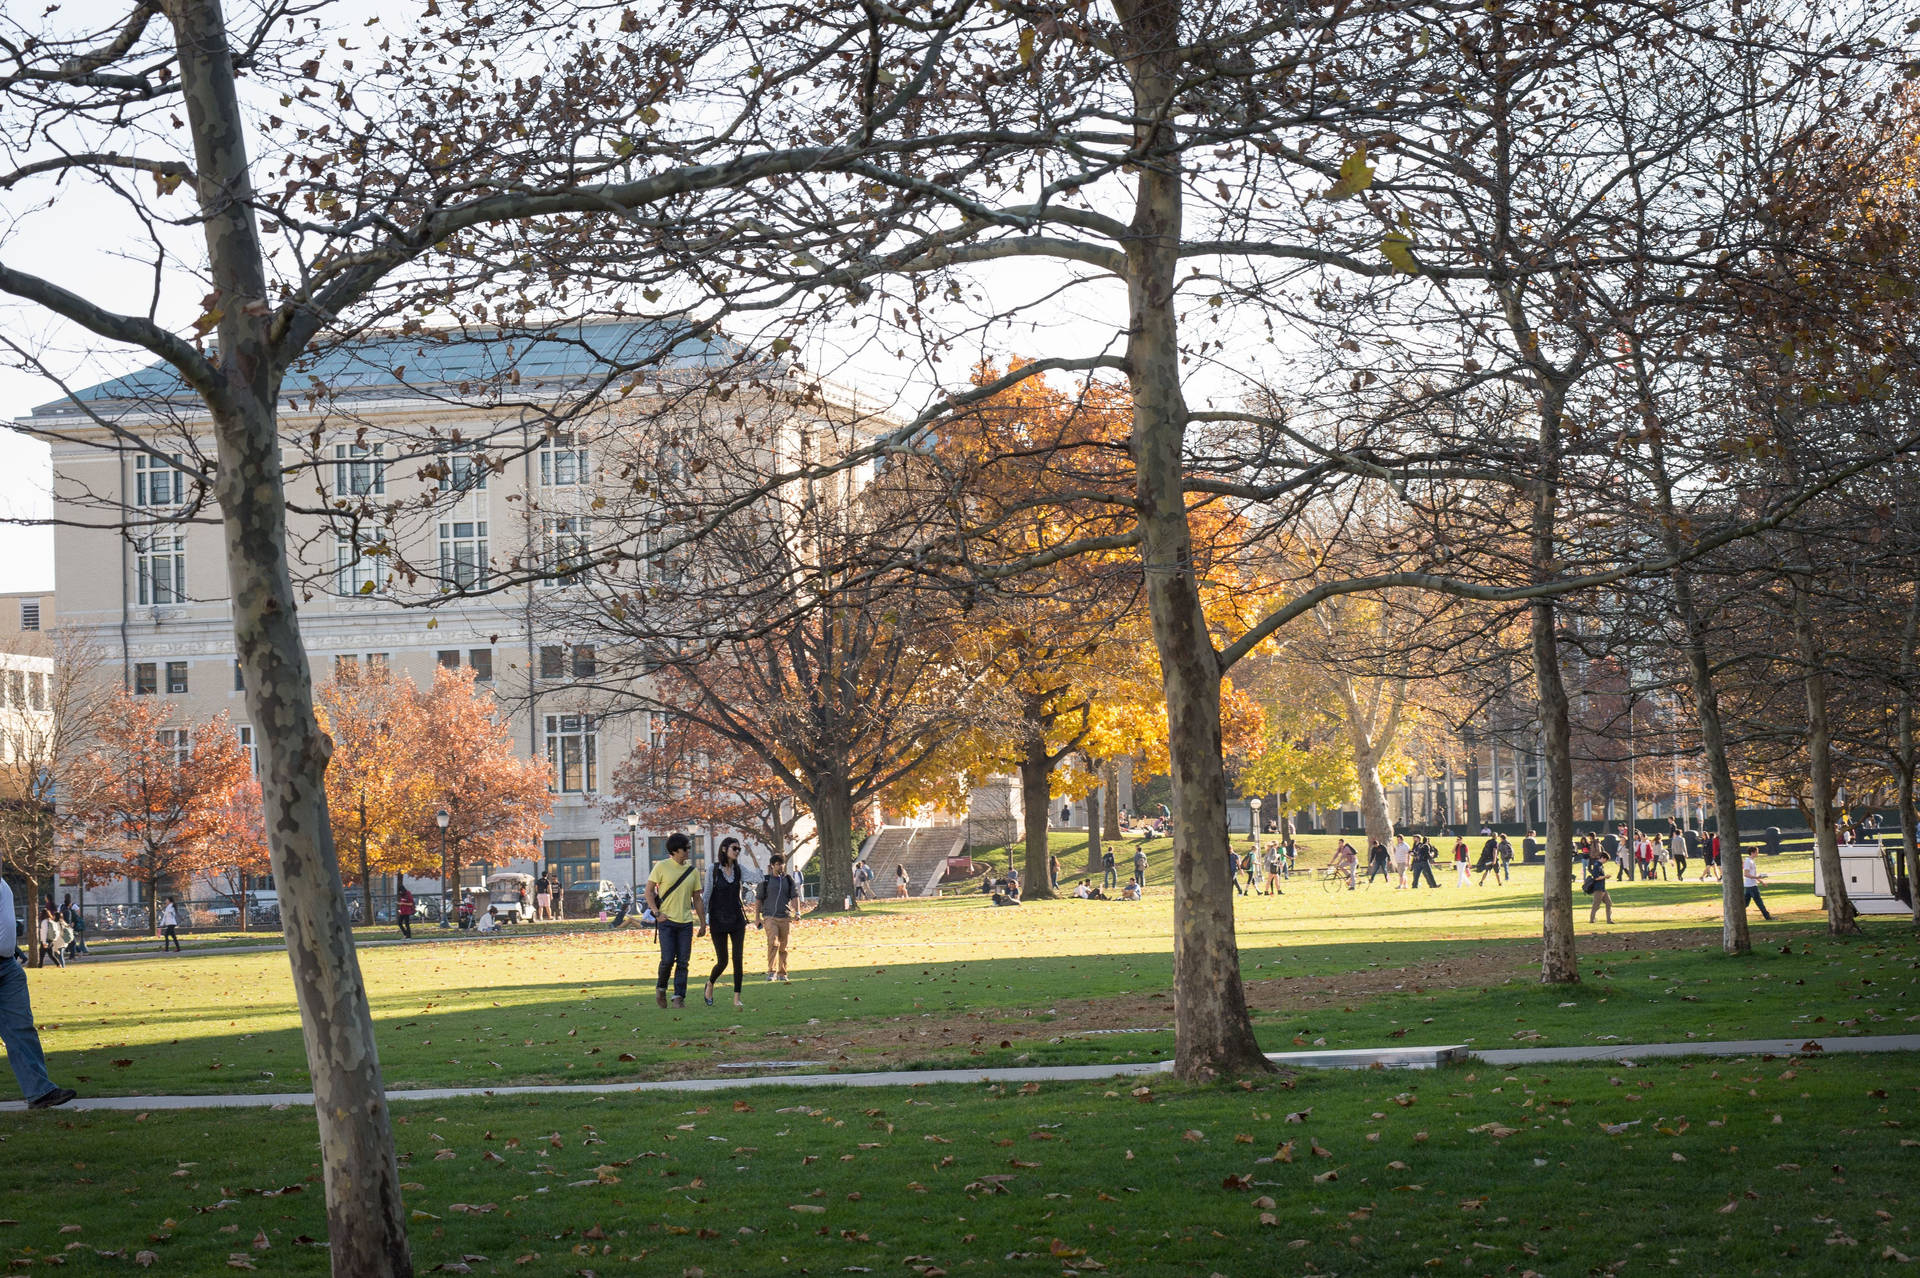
x=957 y=981
x=1751 y=1166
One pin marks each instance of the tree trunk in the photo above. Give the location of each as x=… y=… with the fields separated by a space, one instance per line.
x=1474 y=821
x=1734 y=938
x=1213 y=1034
x=366 y=879
x=1036 y=796
x=1373 y=795
x=1110 y=782
x=833 y=845
x=1095 y=805
x=1813 y=677
x=1559 y=963
x=1909 y=865
x=366 y=1220
x=34 y=957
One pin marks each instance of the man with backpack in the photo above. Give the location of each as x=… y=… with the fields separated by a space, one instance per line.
x=17 y=1031
x=672 y=895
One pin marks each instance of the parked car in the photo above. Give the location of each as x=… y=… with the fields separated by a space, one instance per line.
x=585 y=897
x=504 y=891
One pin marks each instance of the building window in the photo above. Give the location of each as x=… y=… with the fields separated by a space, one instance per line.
x=464 y=469
x=481 y=659
x=657 y=847
x=566 y=547
x=245 y=732
x=17 y=689
x=29 y=614
x=175 y=742
x=146 y=679
x=359 y=470
x=239 y=677
x=157 y=482
x=463 y=553
x=572 y=748
x=584 y=666
x=449 y=658
x=563 y=461
x=345 y=666
x=356 y=567
x=161 y=560
x=176 y=676
x=378 y=661
x=37 y=689
x=552 y=661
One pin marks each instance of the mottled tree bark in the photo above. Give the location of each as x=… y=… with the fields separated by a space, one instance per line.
x=366 y=1221
x=1213 y=1034
x=1110 y=783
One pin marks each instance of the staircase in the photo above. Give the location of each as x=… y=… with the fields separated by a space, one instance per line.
x=922 y=849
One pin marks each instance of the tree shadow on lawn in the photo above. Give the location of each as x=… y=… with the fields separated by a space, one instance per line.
x=963 y=1012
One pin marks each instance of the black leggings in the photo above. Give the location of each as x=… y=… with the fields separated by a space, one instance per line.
x=737 y=933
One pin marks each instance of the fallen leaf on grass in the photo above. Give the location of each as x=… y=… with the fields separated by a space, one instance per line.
x=1498 y=1131
x=1326 y=1176
x=1284 y=1154
x=1237 y=1181
x=810 y=1208
x=145 y=1259
x=1320 y=1152
x=1300 y=1115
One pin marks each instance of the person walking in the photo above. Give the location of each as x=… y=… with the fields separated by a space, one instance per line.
x=1489 y=862
x=1247 y=861
x=1751 y=879
x=1506 y=859
x=169 y=927
x=1053 y=870
x=70 y=914
x=53 y=939
x=900 y=880
x=1420 y=858
x=727 y=917
x=1139 y=868
x=1276 y=861
x=1376 y=860
x=1233 y=872
x=1462 y=876
x=675 y=903
x=542 y=898
x=776 y=905
x=1109 y=877
x=1402 y=854
x=22 y=1040
x=1612 y=845
x=1713 y=857
x=1677 y=853
x=1596 y=888
x=403 y=907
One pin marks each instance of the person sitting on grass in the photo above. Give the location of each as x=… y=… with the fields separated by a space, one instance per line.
x=1131 y=892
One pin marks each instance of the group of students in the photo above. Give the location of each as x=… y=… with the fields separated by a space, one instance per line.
x=683 y=908
x=1401 y=858
x=1246 y=866
x=1642 y=855
x=1625 y=854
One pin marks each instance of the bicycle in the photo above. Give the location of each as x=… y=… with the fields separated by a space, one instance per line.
x=1333 y=877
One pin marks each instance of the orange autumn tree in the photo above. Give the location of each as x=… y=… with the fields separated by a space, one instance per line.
x=380 y=796
x=462 y=754
x=237 y=846
x=149 y=797
x=1041 y=467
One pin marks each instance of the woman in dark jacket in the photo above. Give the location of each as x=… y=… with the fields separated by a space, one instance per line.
x=727 y=916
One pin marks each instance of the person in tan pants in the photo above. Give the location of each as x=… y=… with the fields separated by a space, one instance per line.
x=777 y=904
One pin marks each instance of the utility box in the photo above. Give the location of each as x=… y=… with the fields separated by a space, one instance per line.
x=1868 y=877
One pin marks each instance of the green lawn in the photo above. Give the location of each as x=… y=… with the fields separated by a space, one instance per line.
x=1712 y=1167
x=955 y=981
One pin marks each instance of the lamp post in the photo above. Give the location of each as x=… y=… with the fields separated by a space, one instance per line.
x=441 y=819
x=1253 y=821
x=633 y=858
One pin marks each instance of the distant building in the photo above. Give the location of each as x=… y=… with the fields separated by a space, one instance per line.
x=155 y=595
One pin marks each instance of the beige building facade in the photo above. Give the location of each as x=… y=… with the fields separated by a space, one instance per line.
x=432 y=581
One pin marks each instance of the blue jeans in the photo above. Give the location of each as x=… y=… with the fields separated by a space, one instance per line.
x=1752 y=897
x=676 y=951
x=16 y=1031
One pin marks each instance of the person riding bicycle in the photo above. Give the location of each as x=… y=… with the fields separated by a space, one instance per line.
x=1347 y=861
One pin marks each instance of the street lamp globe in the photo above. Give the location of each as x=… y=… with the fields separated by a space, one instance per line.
x=441 y=818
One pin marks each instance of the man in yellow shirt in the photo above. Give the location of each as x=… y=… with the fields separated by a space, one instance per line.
x=673 y=893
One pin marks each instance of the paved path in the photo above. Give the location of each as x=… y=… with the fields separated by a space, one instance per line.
x=1735 y=1047
x=1385 y=1058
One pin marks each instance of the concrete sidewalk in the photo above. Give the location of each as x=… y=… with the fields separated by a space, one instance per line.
x=1383 y=1058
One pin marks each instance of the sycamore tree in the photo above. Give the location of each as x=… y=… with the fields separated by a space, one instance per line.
x=154 y=794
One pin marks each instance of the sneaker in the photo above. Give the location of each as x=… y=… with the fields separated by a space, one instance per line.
x=660 y=997
x=771 y=978
x=785 y=981
x=58 y=1096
